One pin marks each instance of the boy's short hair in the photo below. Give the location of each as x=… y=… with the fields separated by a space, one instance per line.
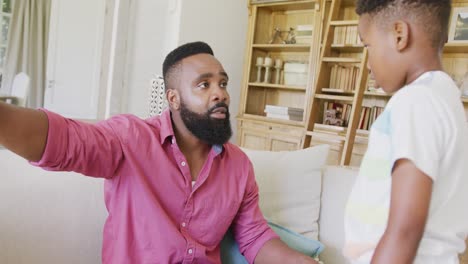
x=174 y=58
x=432 y=15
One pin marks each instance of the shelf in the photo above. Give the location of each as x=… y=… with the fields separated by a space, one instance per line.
x=273 y=120
x=335 y=97
x=456 y=48
x=343 y=60
x=378 y=94
x=277 y=86
x=464 y=99
x=335 y=131
x=283 y=47
x=326 y=135
x=340 y=23
x=276 y=5
x=340 y=91
x=347 y=48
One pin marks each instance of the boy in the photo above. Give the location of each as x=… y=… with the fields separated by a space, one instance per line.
x=408 y=204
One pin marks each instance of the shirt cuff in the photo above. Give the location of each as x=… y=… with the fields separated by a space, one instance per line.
x=55 y=138
x=251 y=253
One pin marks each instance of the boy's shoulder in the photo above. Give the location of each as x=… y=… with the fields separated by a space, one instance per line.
x=429 y=87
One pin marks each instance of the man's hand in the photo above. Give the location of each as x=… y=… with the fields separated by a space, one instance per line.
x=276 y=251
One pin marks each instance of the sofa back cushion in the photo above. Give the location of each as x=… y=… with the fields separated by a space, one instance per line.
x=337 y=183
x=290 y=186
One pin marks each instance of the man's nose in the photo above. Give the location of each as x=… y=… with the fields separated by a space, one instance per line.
x=220 y=94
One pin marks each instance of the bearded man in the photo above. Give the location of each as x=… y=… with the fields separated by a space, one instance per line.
x=174 y=185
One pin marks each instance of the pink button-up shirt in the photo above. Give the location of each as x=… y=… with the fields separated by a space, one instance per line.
x=155 y=215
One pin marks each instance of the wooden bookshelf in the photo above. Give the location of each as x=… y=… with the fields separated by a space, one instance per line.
x=291 y=89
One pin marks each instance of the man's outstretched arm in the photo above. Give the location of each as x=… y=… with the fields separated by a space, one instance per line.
x=23 y=131
x=276 y=251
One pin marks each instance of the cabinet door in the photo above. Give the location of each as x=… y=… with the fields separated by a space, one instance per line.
x=254 y=139
x=277 y=142
x=74 y=57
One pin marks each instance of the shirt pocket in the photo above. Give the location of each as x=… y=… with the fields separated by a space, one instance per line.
x=216 y=217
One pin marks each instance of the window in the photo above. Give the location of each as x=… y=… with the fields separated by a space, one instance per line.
x=5 y=20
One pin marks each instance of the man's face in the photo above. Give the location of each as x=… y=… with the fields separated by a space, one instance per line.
x=384 y=61
x=214 y=131
x=204 y=100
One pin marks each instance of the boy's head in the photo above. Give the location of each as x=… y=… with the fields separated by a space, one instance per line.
x=403 y=37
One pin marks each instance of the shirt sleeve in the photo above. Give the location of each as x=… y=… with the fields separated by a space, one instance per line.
x=251 y=230
x=417 y=131
x=91 y=149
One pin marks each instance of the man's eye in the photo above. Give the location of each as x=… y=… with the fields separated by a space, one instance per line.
x=203 y=85
x=223 y=84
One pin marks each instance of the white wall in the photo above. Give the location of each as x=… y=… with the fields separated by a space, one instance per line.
x=147 y=33
x=157 y=27
x=223 y=25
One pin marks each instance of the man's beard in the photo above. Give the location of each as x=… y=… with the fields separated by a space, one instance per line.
x=212 y=131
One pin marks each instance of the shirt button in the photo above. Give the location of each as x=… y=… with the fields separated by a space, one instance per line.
x=183 y=163
x=183 y=224
x=190 y=251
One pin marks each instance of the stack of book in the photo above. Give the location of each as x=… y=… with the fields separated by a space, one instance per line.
x=284 y=112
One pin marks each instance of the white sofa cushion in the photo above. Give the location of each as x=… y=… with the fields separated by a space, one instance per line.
x=290 y=186
x=337 y=183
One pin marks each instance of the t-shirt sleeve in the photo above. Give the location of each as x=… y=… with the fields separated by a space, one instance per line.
x=251 y=230
x=91 y=149
x=417 y=132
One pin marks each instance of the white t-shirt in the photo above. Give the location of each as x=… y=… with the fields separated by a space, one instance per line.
x=425 y=123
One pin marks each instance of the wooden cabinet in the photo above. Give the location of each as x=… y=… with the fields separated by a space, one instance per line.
x=281 y=57
x=269 y=136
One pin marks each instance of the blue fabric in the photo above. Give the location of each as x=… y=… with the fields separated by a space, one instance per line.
x=230 y=253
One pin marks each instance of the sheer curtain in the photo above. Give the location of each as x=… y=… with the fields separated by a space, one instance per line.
x=27 y=47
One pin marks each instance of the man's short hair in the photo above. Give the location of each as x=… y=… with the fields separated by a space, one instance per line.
x=432 y=15
x=174 y=58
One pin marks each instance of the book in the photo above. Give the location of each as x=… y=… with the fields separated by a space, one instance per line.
x=285 y=116
x=276 y=109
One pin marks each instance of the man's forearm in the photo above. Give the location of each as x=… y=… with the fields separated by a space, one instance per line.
x=276 y=251
x=23 y=131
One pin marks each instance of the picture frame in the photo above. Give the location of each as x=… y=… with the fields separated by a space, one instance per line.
x=458 y=30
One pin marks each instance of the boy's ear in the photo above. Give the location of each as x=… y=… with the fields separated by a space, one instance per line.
x=401 y=34
x=173 y=98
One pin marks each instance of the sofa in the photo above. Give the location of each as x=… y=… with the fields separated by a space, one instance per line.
x=57 y=217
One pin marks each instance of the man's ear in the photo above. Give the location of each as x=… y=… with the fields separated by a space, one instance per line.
x=173 y=98
x=401 y=34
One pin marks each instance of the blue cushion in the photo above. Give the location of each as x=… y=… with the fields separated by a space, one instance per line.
x=230 y=253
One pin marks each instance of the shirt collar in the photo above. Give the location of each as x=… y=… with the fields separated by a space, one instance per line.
x=168 y=131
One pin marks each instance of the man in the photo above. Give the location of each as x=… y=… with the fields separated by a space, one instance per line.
x=173 y=184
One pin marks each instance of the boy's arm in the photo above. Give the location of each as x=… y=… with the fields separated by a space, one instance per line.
x=23 y=131
x=276 y=251
x=409 y=207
